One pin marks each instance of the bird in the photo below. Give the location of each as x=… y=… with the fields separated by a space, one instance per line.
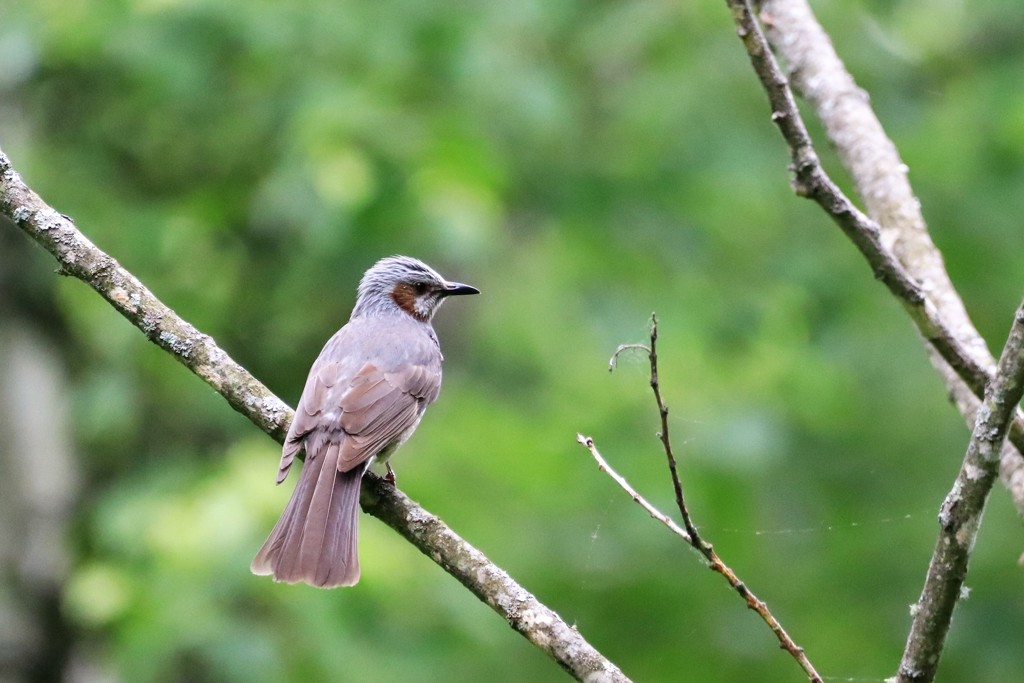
x=365 y=395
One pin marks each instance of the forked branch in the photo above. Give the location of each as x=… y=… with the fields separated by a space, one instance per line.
x=964 y=354
x=961 y=513
x=937 y=311
x=691 y=534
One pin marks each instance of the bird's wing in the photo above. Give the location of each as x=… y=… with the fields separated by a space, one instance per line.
x=368 y=413
x=322 y=391
x=351 y=396
x=380 y=407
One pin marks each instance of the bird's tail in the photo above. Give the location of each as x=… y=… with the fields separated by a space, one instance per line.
x=316 y=538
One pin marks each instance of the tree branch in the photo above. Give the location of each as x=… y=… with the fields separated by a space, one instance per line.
x=879 y=174
x=691 y=534
x=79 y=257
x=198 y=352
x=958 y=351
x=882 y=181
x=961 y=514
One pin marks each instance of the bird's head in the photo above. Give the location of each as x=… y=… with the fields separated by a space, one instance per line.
x=408 y=284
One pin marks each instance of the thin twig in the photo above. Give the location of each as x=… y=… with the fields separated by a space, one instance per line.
x=77 y=256
x=602 y=464
x=666 y=442
x=613 y=361
x=691 y=534
x=961 y=513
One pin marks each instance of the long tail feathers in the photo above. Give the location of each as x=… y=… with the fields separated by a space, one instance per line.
x=316 y=539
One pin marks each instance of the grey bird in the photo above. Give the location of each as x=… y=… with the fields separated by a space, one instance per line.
x=364 y=396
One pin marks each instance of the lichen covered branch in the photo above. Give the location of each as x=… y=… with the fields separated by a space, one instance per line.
x=80 y=258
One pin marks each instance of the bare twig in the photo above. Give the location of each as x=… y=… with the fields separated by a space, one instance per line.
x=691 y=535
x=613 y=361
x=77 y=256
x=602 y=464
x=961 y=513
x=961 y=352
x=666 y=443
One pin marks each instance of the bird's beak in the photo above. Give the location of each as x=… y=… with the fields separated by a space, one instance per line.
x=456 y=288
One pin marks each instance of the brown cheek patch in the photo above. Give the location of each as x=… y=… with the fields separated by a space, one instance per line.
x=405 y=297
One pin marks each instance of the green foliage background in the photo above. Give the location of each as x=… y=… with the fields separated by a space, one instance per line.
x=583 y=164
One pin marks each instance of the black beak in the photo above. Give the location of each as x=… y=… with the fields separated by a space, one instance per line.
x=457 y=288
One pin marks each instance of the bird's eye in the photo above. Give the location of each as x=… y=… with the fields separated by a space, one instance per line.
x=420 y=287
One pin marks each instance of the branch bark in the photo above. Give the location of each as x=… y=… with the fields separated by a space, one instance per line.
x=198 y=352
x=960 y=516
x=896 y=237
x=923 y=287
x=79 y=257
x=881 y=179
